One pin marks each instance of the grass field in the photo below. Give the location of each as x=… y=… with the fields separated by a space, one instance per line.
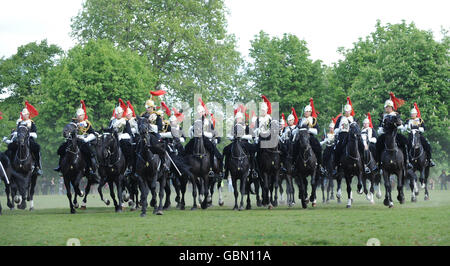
x=421 y=223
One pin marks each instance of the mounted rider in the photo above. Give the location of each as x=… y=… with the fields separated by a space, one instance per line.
x=416 y=122
x=292 y=122
x=389 y=106
x=121 y=125
x=329 y=138
x=25 y=121
x=209 y=133
x=342 y=128
x=85 y=136
x=132 y=121
x=309 y=120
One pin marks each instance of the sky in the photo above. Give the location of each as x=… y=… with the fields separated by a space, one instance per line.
x=324 y=24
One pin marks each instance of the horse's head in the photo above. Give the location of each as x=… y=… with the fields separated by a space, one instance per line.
x=354 y=130
x=144 y=127
x=70 y=130
x=303 y=137
x=391 y=123
x=107 y=144
x=23 y=134
x=415 y=136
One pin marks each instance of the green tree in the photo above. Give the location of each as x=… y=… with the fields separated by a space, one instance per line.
x=97 y=73
x=20 y=78
x=407 y=61
x=185 y=41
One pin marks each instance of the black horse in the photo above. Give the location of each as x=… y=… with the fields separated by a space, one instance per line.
x=351 y=160
x=147 y=166
x=269 y=162
x=372 y=176
x=287 y=158
x=23 y=165
x=112 y=166
x=239 y=166
x=418 y=160
x=305 y=165
x=328 y=178
x=72 y=165
x=392 y=161
x=199 y=162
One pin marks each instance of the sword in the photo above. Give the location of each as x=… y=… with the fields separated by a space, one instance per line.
x=170 y=158
x=6 y=176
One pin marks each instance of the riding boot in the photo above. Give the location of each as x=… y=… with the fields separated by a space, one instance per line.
x=407 y=162
x=92 y=166
x=38 y=163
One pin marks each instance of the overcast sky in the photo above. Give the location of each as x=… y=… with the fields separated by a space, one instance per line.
x=324 y=25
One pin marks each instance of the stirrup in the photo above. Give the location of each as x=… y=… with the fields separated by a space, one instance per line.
x=211 y=173
x=431 y=163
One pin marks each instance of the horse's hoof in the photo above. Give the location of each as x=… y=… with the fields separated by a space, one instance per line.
x=107 y=202
x=178 y=205
x=241 y=208
x=391 y=205
x=83 y=208
x=221 y=203
x=270 y=207
x=76 y=205
x=426 y=198
x=31 y=209
x=413 y=199
x=193 y=208
x=416 y=193
x=348 y=206
x=160 y=212
x=360 y=192
x=72 y=211
x=378 y=195
x=314 y=204
x=235 y=208
x=81 y=194
x=182 y=207
x=132 y=209
x=143 y=215
x=386 y=202
x=248 y=207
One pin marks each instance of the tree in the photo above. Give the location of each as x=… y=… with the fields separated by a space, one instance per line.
x=185 y=41
x=407 y=61
x=20 y=78
x=97 y=73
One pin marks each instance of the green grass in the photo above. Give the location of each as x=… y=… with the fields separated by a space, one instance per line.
x=421 y=223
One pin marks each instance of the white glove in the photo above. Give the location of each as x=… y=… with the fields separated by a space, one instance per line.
x=313 y=130
x=152 y=117
x=83 y=124
x=208 y=134
x=380 y=131
x=403 y=128
x=89 y=138
x=216 y=141
x=247 y=137
x=154 y=128
x=166 y=135
x=230 y=137
x=323 y=142
x=182 y=140
x=373 y=140
x=33 y=135
x=421 y=129
x=337 y=130
x=5 y=139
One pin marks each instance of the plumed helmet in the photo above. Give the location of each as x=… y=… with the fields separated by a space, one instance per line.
x=239 y=115
x=331 y=125
x=25 y=111
x=129 y=111
x=348 y=108
x=388 y=103
x=118 y=110
x=413 y=111
x=200 y=109
x=308 y=108
x=149 y=103
x=290 y=117
x=366 y=121
x=80 y=111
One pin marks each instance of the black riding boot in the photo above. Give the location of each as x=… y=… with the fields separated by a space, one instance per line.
x=58 y=169
x=407 y=162
x=37 y=164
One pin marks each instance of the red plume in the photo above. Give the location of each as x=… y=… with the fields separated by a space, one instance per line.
x=163 y=104
x=397 y=101
x=417 y=109
x=124 y=107
x=213 y=120
x=31 y=109
x=336 y=118
x=1 y=116
x=295 y=115
x=269 y=106
x=204 y=105
x=313 y=113
x=282 y=115
x=350 y=103
x=370 y=120
x=84 y=109
x=131 y=107
x=158 y=93
x=178 y=115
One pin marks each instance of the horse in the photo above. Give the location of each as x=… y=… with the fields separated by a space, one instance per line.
x=72 y=165
x=351 y=161
x=239 y=167
x=112 y=166
x=327 y=179
x=23 y=165
x=419 y=161
x=199 y=162
x=147 y=166
x=305 y=165
x=368 y=159
x=392 y=161
x=269 y=161
x=287 y=157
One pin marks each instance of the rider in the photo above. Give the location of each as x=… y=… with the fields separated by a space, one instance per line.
x=85 y=135
x=329 y=139
x=416 y=122
x=241 y=130
x=309 y=120
x=131 y=118
x=341 y=129
x=371 y=135
x=122 y=126
x=389 y=106
x=208 y=135
x=25 y=120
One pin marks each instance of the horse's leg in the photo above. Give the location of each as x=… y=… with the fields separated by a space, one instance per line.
x=243 y=188
x=31 y=191
x=205 y=187
x=162 y=188
x=9 y=197
x=235 y=191
x=401 y=181
x=120 y=189
x=348 y=181
x=100 y=191
x=314 y=181
x=426 y=174
x=339 y=189
x=153 y=191
x=113 y=195
x=387 y=184
x=87 y=189
x=177 y=187
x=302 y=192
x=371 y=190
x=194 y=193
x=69 y=194
x=144 y=194
x=257 y=187
x=168 y=192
